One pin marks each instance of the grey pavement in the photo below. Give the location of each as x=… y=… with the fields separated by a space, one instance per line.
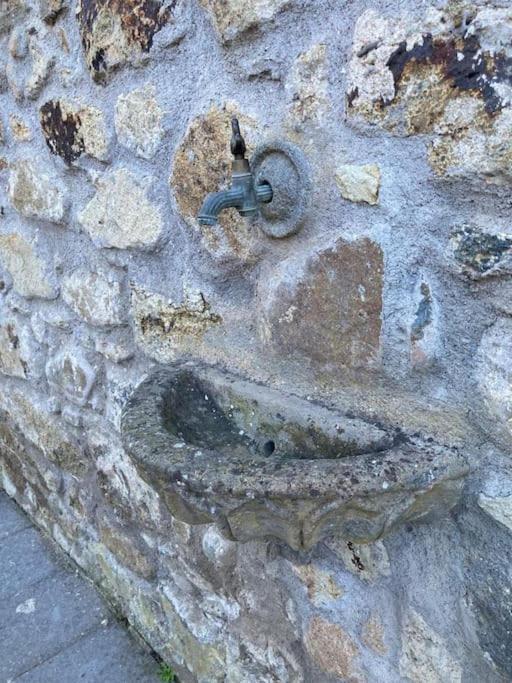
x=54 y=626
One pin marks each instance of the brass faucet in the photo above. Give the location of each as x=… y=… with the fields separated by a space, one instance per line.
x=243 y=195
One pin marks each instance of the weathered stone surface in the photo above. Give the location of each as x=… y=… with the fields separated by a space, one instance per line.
x=18 y=42
x=120 y=383
x=494 y=373
x=10 y=13
x=322 y=587
x=27 y=270
x=373 y=635
x=218 y=549
x=30 y=414
x=332 y=649
x=31 y=63
x=338 y=294
x=138 y=121
x=50 y=10
x=36 y=192
x=20 y=355
x=129 y=549
x=95 y=297
x=202 y=164
x=498 y=507
x=307 y=86
x=166 y=327
x=72 y=129
x=479 y=254
x=487 y=541
x=425 y=656
x=119 y=32
x=234 y=17
x=369 y=562
x=327 y=474
x=446 y=76
x=205 y=660
x=117 y=345
x=119 y=481
x=120 y=215
x=359 y=183
x=71 y=374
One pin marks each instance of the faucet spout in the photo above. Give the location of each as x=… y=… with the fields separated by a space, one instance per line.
x=217 y=202
x=243 y=195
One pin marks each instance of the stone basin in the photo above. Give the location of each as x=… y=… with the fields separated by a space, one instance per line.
x=260 y=463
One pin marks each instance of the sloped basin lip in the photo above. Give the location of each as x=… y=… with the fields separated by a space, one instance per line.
x=413 y=465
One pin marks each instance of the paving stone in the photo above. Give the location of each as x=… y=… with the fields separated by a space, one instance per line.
x=23 y=563
x=108 y=654
x=12 y=520
x=53 y=624
x=40 y=620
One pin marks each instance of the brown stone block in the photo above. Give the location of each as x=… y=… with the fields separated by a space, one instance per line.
x=330 y=310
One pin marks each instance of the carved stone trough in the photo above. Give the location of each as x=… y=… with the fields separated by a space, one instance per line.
x=262 y=464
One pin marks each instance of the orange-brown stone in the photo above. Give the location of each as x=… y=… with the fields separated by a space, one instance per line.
x=331 y=312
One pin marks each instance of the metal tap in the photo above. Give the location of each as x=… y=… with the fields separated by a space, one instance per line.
x=243 y=195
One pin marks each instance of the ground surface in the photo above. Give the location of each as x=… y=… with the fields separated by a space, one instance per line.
x=54 y=627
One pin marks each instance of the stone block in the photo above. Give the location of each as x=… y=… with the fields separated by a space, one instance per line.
x=373 y=635
x=494 y=373
x=118 y=480
x=120 y=215
x=359 y=183
x=11 y=12
x=233 y=17
x=432 y=77
x=116 y=346
x=329 y=309
x=29 y=70
x=307 y=86
x=498 y=507
x=121 y=32
x=20 y=355
x=50 y=10
x=30 y=413
x=164 y=327
x=95 y=297
x=129 y=550
x=426 y=657
x=70 y=374
x=202 y=164
x=479 y=254
x=333 y=650
x=138 y=121
x=72 y=129
x=322 y=587
x=36 y=192
x=28 y=270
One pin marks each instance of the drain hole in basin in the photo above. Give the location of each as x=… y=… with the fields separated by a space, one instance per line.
x=269 y=448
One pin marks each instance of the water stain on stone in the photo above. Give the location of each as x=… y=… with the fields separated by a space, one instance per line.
x=62 y=131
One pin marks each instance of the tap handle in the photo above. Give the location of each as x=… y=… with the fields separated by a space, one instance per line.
x=238 y=147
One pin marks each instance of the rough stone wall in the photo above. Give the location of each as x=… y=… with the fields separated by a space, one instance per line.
x=393 y=302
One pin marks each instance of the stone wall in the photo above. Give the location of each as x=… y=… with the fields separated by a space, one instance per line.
x=393 y=303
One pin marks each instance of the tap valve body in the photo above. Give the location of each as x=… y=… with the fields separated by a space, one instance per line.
x=243 y=195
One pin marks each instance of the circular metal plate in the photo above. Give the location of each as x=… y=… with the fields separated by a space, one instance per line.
x=285 y=167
